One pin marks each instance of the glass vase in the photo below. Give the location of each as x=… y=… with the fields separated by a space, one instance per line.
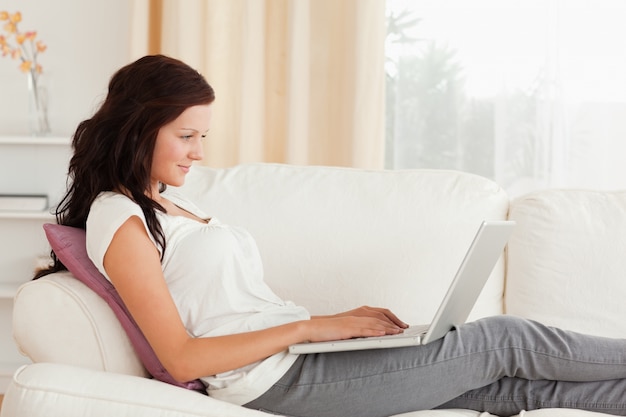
x=37 y=105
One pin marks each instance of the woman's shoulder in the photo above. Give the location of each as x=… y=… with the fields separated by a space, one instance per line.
x=111 y=204
x=108 y=212
x=112 y=197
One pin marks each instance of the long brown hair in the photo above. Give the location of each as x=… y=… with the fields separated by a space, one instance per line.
x=113 y=150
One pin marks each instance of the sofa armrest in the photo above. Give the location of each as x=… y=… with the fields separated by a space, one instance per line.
x=59 y=319
x=56 y=390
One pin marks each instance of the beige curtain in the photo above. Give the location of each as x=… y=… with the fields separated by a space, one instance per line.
x=297 y=81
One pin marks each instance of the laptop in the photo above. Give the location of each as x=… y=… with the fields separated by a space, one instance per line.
x=471 y=276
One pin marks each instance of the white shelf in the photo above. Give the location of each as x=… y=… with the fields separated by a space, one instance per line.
x=29 y=215
x=35 y=140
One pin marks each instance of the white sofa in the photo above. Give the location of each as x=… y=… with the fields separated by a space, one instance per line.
x=333 y=239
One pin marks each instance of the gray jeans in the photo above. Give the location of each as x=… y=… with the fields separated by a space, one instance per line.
x=499 y=364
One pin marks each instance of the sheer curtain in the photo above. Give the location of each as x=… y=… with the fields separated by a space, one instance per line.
x=529 y=93
x=297 y=81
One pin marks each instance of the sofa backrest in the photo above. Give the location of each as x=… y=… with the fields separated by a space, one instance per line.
x=567 y=260
x=335 y=238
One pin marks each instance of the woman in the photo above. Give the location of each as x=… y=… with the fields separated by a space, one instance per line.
x=195 y=288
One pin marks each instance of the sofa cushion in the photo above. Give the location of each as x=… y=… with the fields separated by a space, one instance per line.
x=566 y=260
x=68 y=243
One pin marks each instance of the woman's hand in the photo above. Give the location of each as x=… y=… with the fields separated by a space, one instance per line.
x=361 y=322
x=379 y=313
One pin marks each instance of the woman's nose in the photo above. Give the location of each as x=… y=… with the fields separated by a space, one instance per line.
x=197 y=153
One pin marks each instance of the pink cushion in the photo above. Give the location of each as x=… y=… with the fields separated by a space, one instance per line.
x=68 y=243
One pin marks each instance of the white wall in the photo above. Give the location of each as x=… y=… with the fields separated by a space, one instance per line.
x=88 y=40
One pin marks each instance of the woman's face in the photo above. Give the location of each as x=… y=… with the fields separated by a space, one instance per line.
x=178 y=144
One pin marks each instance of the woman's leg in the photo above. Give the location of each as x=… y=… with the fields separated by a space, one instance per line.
x=479 y=354
x=508 y=396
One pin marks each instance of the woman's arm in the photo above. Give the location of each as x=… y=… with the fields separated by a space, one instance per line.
x=132 y=262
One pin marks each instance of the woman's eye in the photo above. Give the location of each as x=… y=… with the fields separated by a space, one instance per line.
x=186 y=137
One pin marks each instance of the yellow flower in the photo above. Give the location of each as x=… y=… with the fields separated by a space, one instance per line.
x=20 y=45
x=10 y=27
x=41 y=47
x=26 y=66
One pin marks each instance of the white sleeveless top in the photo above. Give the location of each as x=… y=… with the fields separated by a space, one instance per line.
x=215 y=275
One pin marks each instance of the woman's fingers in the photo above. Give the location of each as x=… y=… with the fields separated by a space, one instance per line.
x=385 y=314
x=347 y=327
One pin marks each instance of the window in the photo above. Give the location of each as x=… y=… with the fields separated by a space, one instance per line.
x=529 y=93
